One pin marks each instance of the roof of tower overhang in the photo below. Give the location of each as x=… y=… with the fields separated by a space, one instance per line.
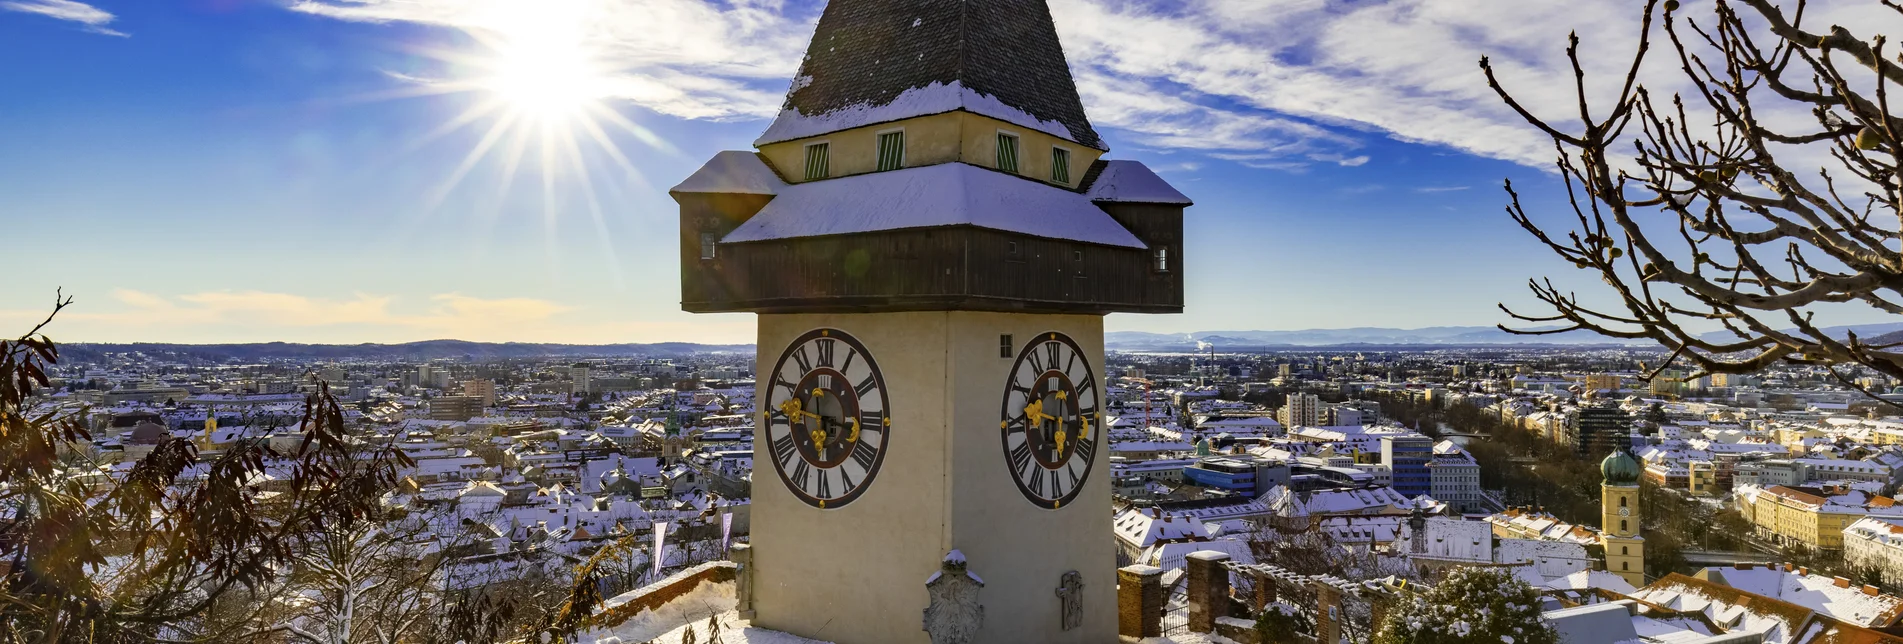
x=947 y=194
x=875 y=61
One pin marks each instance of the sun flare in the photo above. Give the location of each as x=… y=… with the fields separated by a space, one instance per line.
x=541 y=66
x=540 y=94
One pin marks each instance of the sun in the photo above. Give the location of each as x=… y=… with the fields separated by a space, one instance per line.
x=541 y=66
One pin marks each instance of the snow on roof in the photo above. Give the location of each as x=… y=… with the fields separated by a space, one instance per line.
x=934 y=98
x=1592 y=579
x=1171 y=556
x=1848 y=603
x=732 y=172
x=1610 y=623
x=946 y=194
x=1456 y=539
x=1132 y=182
x=1143 y=529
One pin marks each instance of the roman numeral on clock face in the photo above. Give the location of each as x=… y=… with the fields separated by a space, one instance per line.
x=802 y=474
x=784 y=448
x=864 y=455
x=825 y=346
x=1020 y=457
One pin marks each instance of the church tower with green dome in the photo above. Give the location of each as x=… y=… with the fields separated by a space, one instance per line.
x=1619 y=522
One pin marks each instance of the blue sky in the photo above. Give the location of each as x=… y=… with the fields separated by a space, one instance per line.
x=237 y=170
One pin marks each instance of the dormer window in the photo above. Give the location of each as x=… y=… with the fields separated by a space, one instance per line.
x=817 y=161
x=891 y=150
x=1008 y=152
x=1060 y=165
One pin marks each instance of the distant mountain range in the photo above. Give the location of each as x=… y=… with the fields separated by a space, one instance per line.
x=1445 y=336
x=1429 y=336
x=426 y=350
x=1375 y=336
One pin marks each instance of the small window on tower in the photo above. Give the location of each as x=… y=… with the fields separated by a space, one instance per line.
x=1625 y=565
x=891 y=150
x=1060 y=165
x=1622 y=525
x=707 y=245
x=1622 y=501
x=1161 y=259
x=1008 y=152
x=817 y=161
x=1004 y=346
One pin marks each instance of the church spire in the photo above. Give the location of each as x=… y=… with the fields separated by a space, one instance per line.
x=874 y=61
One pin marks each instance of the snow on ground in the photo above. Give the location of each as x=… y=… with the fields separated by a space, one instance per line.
x=695 y=606
x=732 y=631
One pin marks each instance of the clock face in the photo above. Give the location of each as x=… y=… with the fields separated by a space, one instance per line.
x=1051 y=420
x=827 y=418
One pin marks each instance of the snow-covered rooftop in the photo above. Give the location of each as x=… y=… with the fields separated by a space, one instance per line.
x=934 y=98
x=732 y=172
x=1133 y=182
x=946 y=194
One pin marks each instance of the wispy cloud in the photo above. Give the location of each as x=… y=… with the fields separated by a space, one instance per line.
x=1434 y=189
x=93 y=18
x=1265 y=83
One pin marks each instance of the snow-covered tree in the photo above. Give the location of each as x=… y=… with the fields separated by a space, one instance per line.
x=1471 y=606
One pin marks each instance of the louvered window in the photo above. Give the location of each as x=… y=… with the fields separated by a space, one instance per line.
x=707 y=245
x=1008 y=152
x=1060 y=166
x=1160 y=260
x=816 y=161
x=891 y=150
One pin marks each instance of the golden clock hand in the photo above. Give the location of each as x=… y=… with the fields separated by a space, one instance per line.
x=854 y=436
x=1034 y=412
x=794 y=410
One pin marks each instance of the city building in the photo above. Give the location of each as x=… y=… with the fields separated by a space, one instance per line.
x=1813 y=517
x=1876 y=543
x=1301 y=410
x=1251 y=475
x=484 y=389
x=578 y=376
x=1407 y=457
x=455 y=407
x=1619 y=522
x=1601 y=429
x=1455 y=478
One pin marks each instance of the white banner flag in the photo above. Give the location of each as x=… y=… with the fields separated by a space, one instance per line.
x=660 y=542
x=726 y=529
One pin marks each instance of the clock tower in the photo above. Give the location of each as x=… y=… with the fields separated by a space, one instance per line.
x=1619 y=521
x=930 y=237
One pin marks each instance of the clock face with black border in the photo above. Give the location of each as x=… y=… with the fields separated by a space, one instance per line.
x=827 y=418
x=1051 y=420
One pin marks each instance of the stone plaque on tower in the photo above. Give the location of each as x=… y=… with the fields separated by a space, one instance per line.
x=931 y=239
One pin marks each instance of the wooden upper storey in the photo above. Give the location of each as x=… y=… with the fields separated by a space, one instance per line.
x=951 y=236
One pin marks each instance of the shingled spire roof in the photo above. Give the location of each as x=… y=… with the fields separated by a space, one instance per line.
x=873 y=61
